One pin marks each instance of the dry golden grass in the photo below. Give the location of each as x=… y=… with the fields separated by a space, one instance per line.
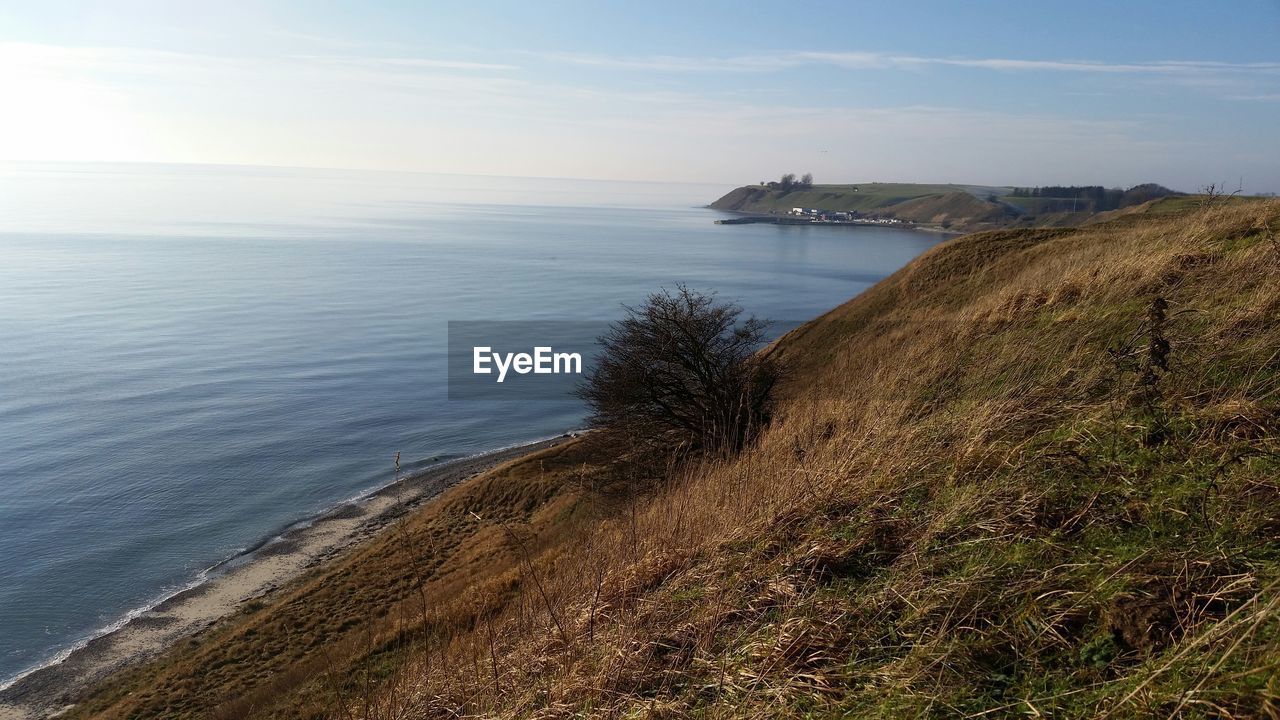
x=953 y=517
x=956 y=514
x=364 y=610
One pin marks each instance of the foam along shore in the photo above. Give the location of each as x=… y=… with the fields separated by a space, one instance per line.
x=55 y=687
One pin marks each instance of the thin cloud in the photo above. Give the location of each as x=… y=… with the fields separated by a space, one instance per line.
x=870 y=60
x=1162 y=67
x=413 y=63
x=673 y=63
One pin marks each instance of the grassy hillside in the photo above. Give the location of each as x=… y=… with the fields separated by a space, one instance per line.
x=967 y=208
x=1004 y=481
x=951 y=205
x=278 y=658
x=953 y=209
x=865 y=197
x=958 y=206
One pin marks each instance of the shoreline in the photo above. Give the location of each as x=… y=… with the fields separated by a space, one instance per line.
x=748 y=218
x=222 y=589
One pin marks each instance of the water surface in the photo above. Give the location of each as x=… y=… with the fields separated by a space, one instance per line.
x=192 y=358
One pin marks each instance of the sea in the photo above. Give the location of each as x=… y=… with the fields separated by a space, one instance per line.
x=194 y=358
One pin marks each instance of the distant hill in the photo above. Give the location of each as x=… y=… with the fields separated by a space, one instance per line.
x=955 y=207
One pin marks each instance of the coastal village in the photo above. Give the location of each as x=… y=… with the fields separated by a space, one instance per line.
x=829 y=216
x=814 y=216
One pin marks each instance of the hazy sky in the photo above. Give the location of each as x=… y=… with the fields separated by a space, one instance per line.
x=1183 y=93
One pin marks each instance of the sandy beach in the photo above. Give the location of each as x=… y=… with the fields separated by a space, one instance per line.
x=54 y=688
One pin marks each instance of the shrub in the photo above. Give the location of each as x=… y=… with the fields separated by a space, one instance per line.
x=682 y=373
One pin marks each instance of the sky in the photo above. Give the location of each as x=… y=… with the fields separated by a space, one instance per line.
x=999 y=93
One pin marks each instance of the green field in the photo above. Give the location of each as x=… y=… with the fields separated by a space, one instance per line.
x=862 y=197
x=956 y=207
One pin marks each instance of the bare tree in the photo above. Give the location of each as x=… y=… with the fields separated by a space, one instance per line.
x=682 y=373
x=806 y=181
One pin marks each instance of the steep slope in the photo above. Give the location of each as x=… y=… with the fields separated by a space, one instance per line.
x=1004 y=481
x=986 y=497
x=425 y=576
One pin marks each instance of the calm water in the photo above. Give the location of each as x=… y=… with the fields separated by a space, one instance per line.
x=193 y=358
